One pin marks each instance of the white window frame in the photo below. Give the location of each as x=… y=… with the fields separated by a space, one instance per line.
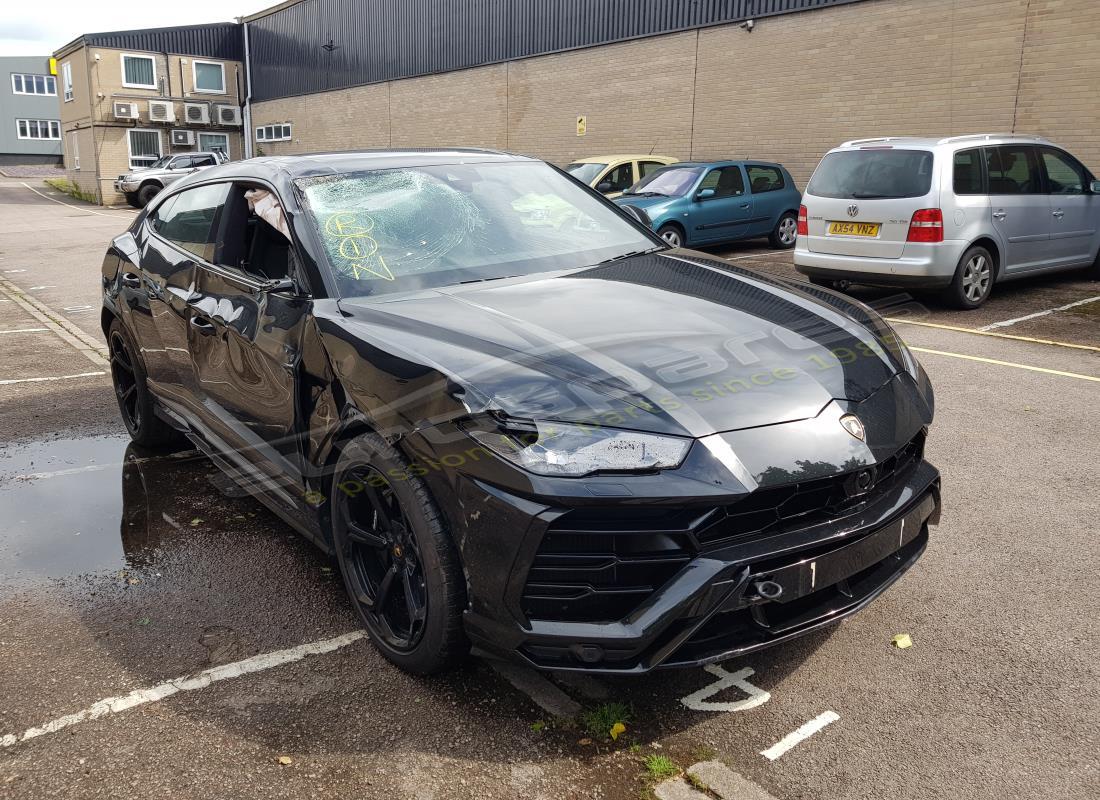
x=32 y=75
x=130 y=145
x=74 y=138
x=122 y=66
x=195 y=76
x=202 y=149
x=261 y=132
x=47 y=123
x=67 y=81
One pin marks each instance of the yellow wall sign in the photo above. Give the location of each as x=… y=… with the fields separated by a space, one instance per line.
x=53 y=66
x=582 y=125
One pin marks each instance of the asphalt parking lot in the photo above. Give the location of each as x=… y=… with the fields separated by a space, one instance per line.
x=161 y=635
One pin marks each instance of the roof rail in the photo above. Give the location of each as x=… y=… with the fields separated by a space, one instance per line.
x=874 y=139
x=987 y=136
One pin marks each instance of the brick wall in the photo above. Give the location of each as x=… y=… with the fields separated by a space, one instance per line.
x=792 y=88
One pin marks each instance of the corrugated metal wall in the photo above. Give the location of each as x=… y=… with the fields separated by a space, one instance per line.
x=220 y=40
x=377 y=40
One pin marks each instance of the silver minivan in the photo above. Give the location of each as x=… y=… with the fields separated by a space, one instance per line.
x=960 y=214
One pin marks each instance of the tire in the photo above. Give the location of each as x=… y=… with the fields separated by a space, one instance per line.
x=673 y=234
x=132 y=199
x=973 y=281
x=135 y=402
x=390 y=537
x=785 y=233
x=146 y=194
x=1093 y=272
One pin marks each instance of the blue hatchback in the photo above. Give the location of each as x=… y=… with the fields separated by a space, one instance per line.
x=694 y=203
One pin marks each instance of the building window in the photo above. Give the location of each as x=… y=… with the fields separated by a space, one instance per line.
x=144 y=147
x=22 y=83
x=209 y=76
x=214 y=142
x=138 y=72
x=273 y=133
x=38 y=128
x=67 y=80
x=74 y=149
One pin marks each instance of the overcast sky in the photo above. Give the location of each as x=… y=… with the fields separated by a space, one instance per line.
x=29 y=28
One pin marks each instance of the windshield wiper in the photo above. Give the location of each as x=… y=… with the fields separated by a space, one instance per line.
x=482 y=280
x=647 y=194
x=633 y=253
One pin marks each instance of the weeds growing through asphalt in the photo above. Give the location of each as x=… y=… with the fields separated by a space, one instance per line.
x=599 y=721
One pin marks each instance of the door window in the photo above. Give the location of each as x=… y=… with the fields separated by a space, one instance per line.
x=1064 y=174
x=725 y=181
x=764 y=179
x=1013 y=169
x=183 y=162
x=646 y=167
x=620 y=178
x=248 y=240
x=187 y=220
x=968 y=172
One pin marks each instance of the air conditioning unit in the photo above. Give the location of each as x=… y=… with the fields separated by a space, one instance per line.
x=162 y=111
x=182 y=138
x=227 y=115
x=196 y=113
x=126 y=111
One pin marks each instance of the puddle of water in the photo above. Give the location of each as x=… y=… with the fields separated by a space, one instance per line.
x=79 y=506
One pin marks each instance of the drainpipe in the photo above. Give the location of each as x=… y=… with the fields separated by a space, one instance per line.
x=247 y=97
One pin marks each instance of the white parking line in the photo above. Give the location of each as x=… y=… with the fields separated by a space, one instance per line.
x=1037 y=314
x=138 y=697
x=9 y=381
x=800 y=735
x=70 y=333
x=25 y=330
x=70 y=205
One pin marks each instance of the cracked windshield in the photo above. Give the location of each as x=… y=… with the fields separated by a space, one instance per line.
x=397 y=230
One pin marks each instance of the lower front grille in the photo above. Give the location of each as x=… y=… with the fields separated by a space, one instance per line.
x=598 y=565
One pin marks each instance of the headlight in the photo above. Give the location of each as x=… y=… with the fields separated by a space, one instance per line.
x=554 y=448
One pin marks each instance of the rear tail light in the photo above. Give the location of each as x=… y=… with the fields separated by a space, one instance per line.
x=803 y=221
x=926 y=226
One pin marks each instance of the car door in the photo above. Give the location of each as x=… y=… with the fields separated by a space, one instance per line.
x=178 y=167
x=616 y=180
x=1019 y=206
x=721 y=209
x=1074 y=210
x=245 y=344
x=768 y=200
x=176 y=234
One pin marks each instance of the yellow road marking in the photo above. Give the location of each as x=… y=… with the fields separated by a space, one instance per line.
x=1008 y=364
x=976 y=332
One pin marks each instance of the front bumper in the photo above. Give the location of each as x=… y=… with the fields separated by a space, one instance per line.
x=125 y=187
x=712 y=608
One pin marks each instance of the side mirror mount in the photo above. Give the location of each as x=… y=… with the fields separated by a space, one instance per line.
x=1094 y=187
x=604 y=187
x=281 y=286
x=704 y=194
x=126 y=244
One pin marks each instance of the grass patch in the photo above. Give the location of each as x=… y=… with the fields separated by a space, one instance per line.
x=65 y=186
x=599 y=721
x=659 y=767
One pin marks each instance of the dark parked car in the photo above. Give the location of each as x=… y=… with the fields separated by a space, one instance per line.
x=514 y=415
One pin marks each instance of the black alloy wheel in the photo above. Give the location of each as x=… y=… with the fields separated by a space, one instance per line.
x=399 y=565
x=383 y=561
x=135 y=403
